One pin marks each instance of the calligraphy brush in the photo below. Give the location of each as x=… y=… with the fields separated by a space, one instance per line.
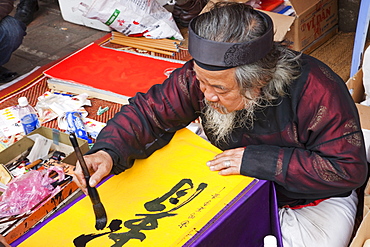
x=100 y=214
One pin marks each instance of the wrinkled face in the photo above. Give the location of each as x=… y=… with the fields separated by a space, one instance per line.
x=220 y=89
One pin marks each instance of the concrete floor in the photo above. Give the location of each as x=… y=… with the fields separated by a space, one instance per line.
x=49 y=38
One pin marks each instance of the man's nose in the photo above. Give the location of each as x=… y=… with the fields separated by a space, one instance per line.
x=210 y=96
x=209 y=93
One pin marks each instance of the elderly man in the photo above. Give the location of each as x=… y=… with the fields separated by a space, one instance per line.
x=278 y=115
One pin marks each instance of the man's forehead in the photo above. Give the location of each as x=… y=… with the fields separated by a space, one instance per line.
x=224 y=78
x=210 y=74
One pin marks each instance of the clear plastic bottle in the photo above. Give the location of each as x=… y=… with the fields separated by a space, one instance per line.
x=28 y=116
x=270 y=241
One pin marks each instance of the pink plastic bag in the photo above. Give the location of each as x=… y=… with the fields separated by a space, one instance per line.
x=26 y=191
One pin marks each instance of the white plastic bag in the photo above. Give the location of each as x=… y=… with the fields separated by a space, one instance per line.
x=134 y=17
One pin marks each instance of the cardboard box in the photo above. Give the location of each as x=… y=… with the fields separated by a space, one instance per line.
x=356 y=88
x=18 y=227
x=320 y=41
x=22 y=145
x=71 y=13
x=363 y=233
x=312 y=20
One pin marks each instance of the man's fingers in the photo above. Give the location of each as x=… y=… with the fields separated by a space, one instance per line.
x=229 y=171
x=99 y=164
x=227 y=162
x=101 y=173
x=97 y=177
x=225 y=167
x=78 y=183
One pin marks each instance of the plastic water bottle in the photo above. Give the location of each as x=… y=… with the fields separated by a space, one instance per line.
x=28 y=116
x=270 y=241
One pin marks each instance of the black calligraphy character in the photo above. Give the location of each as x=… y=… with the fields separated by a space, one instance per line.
x=155 y=205
x=148 y=221
x=83 y=239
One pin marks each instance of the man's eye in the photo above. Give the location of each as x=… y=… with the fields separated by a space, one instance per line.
x=220 y=91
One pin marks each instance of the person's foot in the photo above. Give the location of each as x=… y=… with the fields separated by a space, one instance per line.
x=6 y=75
x=26 y=10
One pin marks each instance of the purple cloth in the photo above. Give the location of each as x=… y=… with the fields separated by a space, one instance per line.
x=244 y=222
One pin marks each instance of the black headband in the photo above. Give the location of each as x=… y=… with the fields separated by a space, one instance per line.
x=213 y=55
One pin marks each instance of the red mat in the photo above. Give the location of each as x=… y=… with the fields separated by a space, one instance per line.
x=35 y=85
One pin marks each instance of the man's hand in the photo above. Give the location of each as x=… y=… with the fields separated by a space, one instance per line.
x=227 y=162
x=99 y=164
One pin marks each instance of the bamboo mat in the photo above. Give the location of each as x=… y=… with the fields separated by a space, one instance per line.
x=39 y=86
x=337 y=53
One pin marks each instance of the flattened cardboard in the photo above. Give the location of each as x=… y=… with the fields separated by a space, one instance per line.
x=356 y=88
x=363 y=232
x=282 y=24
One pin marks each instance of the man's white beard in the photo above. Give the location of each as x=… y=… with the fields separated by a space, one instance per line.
x=222 y=124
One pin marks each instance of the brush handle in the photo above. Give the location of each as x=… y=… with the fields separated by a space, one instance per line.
x=85 y=170
x=93 y=193
x=100 y=214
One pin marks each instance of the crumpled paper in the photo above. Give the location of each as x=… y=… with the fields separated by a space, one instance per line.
x=51 y=105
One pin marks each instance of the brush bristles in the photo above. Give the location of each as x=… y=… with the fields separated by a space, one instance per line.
x=100 y=215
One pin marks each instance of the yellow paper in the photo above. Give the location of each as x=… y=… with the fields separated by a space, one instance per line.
x=181 y=163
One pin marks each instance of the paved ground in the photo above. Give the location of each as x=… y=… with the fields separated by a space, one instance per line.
x=49 y=38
